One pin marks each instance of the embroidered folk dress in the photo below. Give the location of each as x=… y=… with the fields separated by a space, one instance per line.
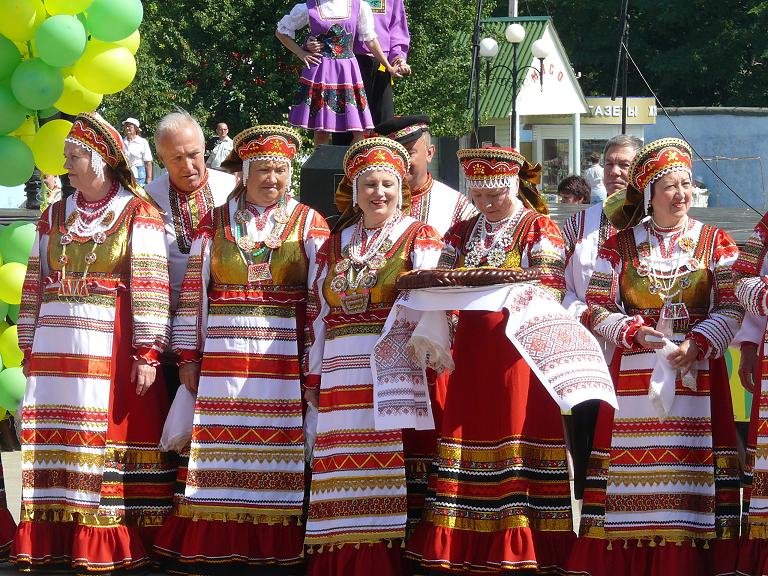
x=662 y=495
x=499 y=496
x=357 y=505
x=95 y=487
x=751 y=270
x=331 y=96
x=245 y=482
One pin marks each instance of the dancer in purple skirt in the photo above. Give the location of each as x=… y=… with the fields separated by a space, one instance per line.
x=330 y=96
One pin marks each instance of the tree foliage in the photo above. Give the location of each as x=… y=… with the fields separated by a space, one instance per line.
x=694 y=53
x=220 y=60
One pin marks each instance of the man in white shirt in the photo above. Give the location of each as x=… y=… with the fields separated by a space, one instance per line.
x=222 y=146
x=138 y=151
x=584 y=234
x=594 y=177
x=185 y=194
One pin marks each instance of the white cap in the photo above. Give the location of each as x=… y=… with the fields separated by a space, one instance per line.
x=132 y=121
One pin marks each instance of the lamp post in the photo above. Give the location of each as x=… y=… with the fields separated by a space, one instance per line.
x=489 y=48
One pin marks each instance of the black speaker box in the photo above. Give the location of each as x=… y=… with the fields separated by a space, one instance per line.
x=320 y=175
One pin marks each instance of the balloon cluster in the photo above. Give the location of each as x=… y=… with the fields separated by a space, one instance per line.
x=58 y=56
x=16 y=242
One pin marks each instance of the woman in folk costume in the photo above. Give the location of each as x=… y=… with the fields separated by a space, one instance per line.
x=331 y=96
x=496 y=415
x=662 y=490
x=357 y=507
x=751 y=270
x=239 y=334
x=94 y=319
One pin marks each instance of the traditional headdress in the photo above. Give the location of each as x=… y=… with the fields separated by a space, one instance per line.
x=404 y=129
x=263 y=142
x=495 y=167
x=364 y=156
x=651 y=162
x=92 y=133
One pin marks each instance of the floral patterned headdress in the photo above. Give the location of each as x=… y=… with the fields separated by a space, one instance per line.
x=377 y=153
x=263 y=142
x=94 y=134
x=496 y=167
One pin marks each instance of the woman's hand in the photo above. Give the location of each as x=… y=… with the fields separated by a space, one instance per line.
x=749 y=366
x=311 y=44
x=309 y=58
x=143 y=375
x=403 y=68
x=312 y=396
x=394 y=71
x=189 y=375
x=684 y=357
x=641 y=338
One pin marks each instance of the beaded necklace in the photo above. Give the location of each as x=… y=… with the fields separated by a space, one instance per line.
x=88 y=220
x=668 y=287
x=359 y=265
x=249 y=247
x=489 y=239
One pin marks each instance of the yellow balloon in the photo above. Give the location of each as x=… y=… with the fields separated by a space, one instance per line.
x=9 y=348
x=20 y=18
x=11 y=282
x=105 y=67
x=66 y=6
x=26 y=132
x=48 y=147
x=76 y=99
x=131 y=42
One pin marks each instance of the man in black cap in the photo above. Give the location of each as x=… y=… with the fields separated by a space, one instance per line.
x=431 y=201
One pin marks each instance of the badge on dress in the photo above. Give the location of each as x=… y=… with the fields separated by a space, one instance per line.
x=259 y=273
x=355 y=303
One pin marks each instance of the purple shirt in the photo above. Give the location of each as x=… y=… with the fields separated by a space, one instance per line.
x=391 y=26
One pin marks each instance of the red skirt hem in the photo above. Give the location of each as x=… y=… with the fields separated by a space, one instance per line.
x=753 y=557
x=592 y=557
x=513 y=549
x=66 y=545
x=380 y=558
x=7 y=532
x=185 y=544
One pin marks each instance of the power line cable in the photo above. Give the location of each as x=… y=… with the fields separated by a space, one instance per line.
x=663 y=109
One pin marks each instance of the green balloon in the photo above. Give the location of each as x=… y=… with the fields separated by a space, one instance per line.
x=48 y=112
x=60 y=40
x=36 y=85
x=13 y=312
x=12 y=114
x=16 y=161
x=111 y=20
x=9 y=57
x=16 y=243
x=12 y=384
x=3 y=310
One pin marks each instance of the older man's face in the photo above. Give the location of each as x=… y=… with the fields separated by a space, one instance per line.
x=183 y=154
x=617 y=161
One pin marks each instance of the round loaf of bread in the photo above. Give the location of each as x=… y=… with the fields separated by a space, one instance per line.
x=464 y=277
